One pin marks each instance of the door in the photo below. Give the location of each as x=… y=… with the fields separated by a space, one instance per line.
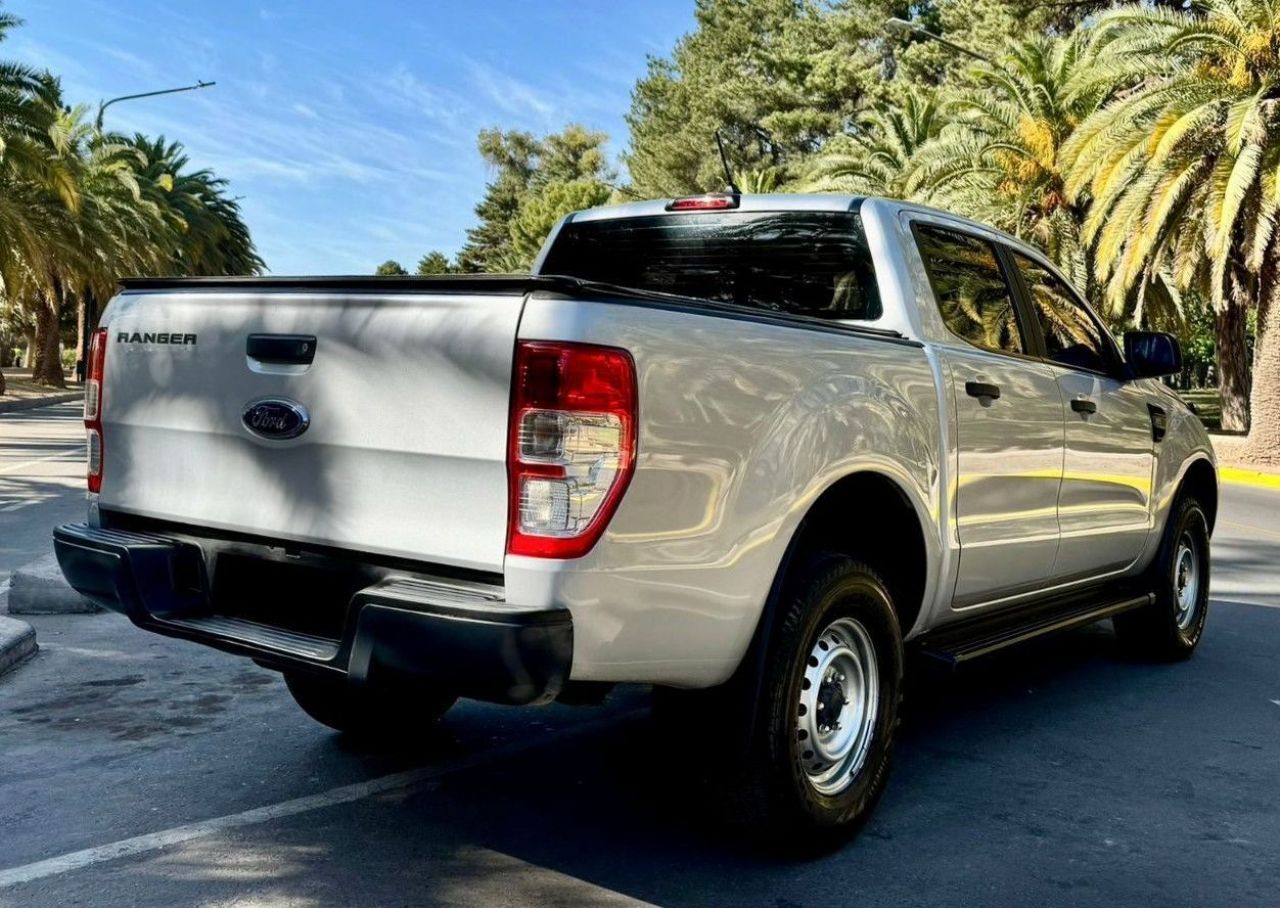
x=1104 y=507
x=1009 y=422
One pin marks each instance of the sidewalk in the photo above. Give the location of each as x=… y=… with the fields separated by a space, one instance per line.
x=22 y=393
x=1234 y=469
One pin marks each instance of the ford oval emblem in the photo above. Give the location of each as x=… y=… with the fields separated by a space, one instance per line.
x=275 y=418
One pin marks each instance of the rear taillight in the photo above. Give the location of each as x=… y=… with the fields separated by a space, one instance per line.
x=572 y=445
x=93 y=407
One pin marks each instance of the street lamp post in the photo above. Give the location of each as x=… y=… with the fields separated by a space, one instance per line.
x=103 y=105
x=902 y=26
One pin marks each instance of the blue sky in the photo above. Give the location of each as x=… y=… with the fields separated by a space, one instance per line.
x=349 y=127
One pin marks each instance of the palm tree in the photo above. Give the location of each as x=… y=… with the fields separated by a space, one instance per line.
x=878 y=156
x=208 y=235
x=999 y=157
x=79 y=209
x=1183 y=170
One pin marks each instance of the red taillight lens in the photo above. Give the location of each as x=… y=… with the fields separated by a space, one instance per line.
x=704 y=203
x=572 y=445
x=93 y=406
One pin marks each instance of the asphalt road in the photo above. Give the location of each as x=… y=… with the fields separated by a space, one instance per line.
x=136 y=770
x=41 y=479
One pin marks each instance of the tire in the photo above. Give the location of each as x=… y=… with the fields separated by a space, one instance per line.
x=837 y=638
x=1170 y=628
x=388 y=712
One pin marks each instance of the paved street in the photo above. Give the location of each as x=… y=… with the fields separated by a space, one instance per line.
x=136 y=770
x=41 y=479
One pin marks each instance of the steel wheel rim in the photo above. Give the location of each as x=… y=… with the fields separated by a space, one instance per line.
x=1186 y=581
x=839 y=701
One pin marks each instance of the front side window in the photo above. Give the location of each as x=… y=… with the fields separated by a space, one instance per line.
x=814 y=263
x=973 y=296
x=1072 y=336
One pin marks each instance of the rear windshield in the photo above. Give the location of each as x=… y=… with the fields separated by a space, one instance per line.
x=812 y=263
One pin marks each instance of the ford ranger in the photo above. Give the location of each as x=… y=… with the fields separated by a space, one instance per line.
x=748 y=449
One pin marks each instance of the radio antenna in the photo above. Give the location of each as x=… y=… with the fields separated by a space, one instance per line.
x=724 y=162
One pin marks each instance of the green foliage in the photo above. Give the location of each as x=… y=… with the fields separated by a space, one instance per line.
x=1182 y=171
x=524 y=166
x=80 y=208
x=390 y=268
x=435 y=262
x=778 y=78
x=541 y=210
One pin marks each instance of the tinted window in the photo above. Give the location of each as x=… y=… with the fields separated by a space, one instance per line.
x=1071 y=334
x=808 y=263
x=972 y=294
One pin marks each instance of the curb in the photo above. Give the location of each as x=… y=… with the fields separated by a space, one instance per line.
x=1255 y=478
x=10 y=406
x=40 y=589
x=17 y=643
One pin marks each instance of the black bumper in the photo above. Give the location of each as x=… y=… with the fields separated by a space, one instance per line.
x=461 y=637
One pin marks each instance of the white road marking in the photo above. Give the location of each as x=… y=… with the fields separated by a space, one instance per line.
x=76 y=449
x=1276 y=702
x=344 y=794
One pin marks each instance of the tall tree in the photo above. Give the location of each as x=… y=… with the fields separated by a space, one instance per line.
x=79 y=209
x=523 y=166
x=999 y=158
x=878 y=156
x=390 y=268
x=1183 y=170
x=776 y=77
x=435 y=262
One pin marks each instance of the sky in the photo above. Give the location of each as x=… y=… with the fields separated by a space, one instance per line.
x=349 y=128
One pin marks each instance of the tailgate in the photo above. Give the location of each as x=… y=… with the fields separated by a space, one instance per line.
x=407 y=396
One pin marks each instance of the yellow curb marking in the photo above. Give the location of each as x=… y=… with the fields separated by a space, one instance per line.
x=1254 y=478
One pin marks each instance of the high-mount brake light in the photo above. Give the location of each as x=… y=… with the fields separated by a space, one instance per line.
x=93 y=407
x=571 y=447
x=704 y=203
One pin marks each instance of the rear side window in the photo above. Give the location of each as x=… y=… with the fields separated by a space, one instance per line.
x=973 y=296
x=812 y=263
x=1072 y=336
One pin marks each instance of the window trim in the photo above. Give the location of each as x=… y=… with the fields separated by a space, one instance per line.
x=1032 y=350
x=1117 y=370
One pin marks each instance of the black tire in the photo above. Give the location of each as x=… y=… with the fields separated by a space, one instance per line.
x=388 y=712
x=1170 y=628
x=780 y=797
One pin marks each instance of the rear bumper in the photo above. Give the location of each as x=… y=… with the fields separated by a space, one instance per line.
x=466 y=640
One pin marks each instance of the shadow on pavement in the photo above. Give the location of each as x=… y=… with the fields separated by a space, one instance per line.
x=1057 y=775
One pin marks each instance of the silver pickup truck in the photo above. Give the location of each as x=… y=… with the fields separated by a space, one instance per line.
x=752 y=450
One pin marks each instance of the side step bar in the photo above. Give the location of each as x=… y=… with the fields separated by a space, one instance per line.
x=964 y=641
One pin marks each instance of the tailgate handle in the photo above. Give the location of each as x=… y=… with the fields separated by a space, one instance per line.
x=293 y=349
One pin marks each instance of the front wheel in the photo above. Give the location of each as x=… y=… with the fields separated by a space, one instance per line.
x=1171 y=627
x=829 y=707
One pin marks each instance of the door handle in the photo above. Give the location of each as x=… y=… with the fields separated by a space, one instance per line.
x=1084 y=405
x=282 y=349
x=981 y=389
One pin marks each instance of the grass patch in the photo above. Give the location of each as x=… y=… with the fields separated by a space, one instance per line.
x=1207 y=404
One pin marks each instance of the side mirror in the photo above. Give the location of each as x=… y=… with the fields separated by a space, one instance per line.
x=1151 y=354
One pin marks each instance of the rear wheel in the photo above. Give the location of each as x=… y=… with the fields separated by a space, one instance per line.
x=385 y=712
x=828 y=714
x=1170 y=628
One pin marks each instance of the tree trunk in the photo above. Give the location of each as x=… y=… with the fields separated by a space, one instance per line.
x=39 y=340
x=1232 y=348
x=1263 y=445
x=79 y=326
x=50 y=371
